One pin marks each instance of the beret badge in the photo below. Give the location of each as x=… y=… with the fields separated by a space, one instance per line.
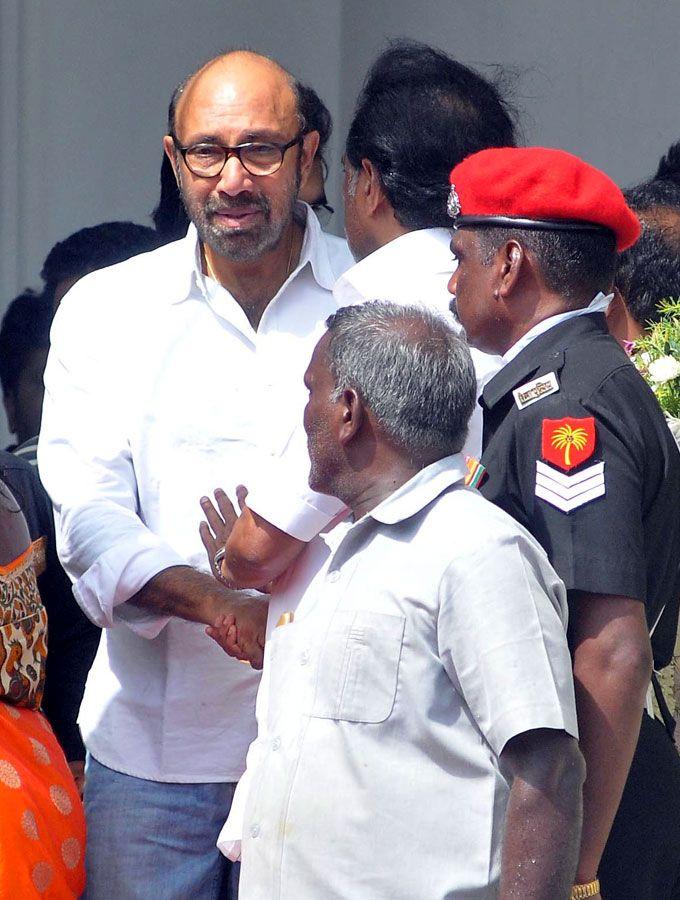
x=453 y=203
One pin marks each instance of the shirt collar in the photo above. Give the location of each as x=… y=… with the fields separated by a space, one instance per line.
x=599 y=303
x=394 y=267
x=546 y=354
x=186 y=276
x=420 y=490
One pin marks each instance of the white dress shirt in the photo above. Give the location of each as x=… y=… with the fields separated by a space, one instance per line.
x=413 y=268
x=429 y=634
x=158 y=390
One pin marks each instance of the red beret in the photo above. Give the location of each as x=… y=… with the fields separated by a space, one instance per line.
x=535 y=187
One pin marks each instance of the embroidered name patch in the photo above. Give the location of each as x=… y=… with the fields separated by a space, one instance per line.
x=568 y=492
x=533 y=390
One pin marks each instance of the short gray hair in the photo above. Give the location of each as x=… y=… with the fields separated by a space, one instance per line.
x=410 y=368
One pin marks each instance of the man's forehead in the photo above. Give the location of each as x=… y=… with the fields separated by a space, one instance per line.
x=247 y=93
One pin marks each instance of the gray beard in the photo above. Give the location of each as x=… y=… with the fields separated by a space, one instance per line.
x=245 y=246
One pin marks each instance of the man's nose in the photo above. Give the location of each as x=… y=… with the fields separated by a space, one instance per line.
x=234 y=177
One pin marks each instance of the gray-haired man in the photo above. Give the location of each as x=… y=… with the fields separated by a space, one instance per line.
x=418 y=702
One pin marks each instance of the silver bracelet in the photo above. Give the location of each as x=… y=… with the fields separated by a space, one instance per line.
x=217 y=559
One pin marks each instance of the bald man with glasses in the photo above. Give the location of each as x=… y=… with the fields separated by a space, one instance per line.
x=171 y=373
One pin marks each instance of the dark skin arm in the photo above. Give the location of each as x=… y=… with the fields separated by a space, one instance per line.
x=543 y=816
x=612 y=668
x=257 y=551
x=183 y=592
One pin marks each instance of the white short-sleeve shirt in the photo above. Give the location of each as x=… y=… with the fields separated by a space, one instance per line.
x=429 y=634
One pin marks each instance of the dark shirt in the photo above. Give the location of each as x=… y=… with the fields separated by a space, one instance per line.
x=624 y=540
x=72 y=638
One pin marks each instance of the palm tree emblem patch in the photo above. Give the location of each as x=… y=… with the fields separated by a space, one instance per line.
x=568 y=442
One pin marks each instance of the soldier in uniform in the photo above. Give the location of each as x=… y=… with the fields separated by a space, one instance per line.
x=577 y=450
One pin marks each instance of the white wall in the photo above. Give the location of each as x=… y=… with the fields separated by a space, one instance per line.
x=84 y=86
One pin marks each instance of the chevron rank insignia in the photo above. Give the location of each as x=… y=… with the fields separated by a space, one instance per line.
x=568 y=492
x=534 y=390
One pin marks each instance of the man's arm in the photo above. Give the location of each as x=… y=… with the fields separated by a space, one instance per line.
x=612 y=669
x=184 y=592
x=543 y=816
x=257 y=552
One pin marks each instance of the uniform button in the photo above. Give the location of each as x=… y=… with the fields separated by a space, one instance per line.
x=254 y=831
x=276 y=743
x=333 y=576
x=304 y=657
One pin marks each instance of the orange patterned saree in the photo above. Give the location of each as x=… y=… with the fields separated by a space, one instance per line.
x=42 y=825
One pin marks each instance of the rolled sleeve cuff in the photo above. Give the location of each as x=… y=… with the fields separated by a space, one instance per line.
x=302 y=515
x=116 y=575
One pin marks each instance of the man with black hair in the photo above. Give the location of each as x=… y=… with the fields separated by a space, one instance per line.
x=418 y=114
x=317 y=118
x=578 y=451
x=93 y=248
x=24 y=343
x=649 y=271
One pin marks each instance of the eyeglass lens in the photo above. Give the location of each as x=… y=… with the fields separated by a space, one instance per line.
x=258 y=159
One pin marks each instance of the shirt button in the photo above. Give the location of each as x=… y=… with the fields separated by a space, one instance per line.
x=304 y=657
x=333 y=576
x=254 y=831
x=276 y=743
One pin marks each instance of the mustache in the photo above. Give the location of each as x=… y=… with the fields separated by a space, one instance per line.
x=240 y=201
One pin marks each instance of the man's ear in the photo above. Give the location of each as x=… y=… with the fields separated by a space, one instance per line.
x=171 y=153
x=351 y=416
x=511 y=260
x=371 y=186
x=310 y=144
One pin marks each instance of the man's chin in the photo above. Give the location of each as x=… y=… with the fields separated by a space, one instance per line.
x=319 y=484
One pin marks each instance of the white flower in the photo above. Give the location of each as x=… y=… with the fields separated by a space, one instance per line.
x=665 y=369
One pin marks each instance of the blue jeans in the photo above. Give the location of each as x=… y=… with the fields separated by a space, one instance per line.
x=152 y=840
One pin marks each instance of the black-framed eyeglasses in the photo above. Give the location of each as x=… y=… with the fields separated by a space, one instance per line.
x=208 y=159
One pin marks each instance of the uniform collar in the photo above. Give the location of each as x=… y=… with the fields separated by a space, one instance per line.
x=185 y=273
x=420 y=490
x=599 y=303
x=544 y=352
x=392 y=267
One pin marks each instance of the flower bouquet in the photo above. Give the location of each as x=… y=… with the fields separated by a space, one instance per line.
x=657 y=358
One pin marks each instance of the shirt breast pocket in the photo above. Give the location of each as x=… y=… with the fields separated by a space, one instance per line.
x=359 y=666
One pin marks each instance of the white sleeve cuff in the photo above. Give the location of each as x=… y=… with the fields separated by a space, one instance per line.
x=301 y=515
x=282 y=494
x=115 y=576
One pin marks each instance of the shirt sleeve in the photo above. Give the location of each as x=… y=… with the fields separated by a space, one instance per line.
x=594 y=538
x=502 y=636
x=283 y=497
x=87 y=468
